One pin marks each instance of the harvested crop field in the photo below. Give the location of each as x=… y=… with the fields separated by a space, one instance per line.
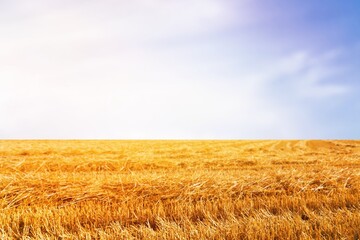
x=179 y=189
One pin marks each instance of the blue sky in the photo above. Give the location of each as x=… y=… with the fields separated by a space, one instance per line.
x=207 y=69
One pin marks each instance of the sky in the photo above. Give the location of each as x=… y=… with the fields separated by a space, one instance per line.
x=169 y=69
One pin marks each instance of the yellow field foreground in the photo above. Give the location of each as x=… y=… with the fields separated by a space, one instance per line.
x=179 y=189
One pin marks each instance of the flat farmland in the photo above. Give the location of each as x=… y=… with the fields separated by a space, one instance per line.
x=299 y=189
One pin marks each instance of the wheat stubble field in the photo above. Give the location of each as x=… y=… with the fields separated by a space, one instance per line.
x=179 y=189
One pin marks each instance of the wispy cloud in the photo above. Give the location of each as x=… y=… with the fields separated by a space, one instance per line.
x=312 y=76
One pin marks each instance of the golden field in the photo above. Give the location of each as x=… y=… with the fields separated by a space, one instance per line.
x=179 y=189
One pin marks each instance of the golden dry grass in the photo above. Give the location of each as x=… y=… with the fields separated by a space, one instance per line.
x=179 y=189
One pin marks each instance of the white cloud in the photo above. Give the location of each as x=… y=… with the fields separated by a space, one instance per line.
x=314 y=75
